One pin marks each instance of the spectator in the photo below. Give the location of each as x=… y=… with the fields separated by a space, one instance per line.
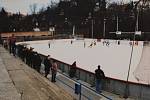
x=29 y=55
x=47 y=64
x=99 y=75
x=12 y=44
x=54 y=71
x=38 y=62
x=72 y=70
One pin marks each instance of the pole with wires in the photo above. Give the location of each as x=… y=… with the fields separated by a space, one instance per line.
x=131 y=55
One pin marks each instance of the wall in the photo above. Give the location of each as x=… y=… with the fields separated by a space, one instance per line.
x=122 y=88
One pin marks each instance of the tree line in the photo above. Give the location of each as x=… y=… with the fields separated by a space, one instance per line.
x=82 y=14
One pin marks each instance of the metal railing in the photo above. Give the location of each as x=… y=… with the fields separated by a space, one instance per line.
x=80 y=86
x=66 y=68
x=112 y=85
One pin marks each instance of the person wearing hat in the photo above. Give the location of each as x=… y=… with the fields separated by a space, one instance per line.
x=99 y=75
x=47 y=64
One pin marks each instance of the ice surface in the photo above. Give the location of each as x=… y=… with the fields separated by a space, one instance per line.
x=114 y=59
x=142 y=72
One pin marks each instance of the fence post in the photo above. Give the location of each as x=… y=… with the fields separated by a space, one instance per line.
x=62 y=67
x=80 y=92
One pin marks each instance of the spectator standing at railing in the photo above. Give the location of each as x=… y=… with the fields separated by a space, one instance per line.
x=12 y=44
x=34 y=60
x=47 y=64
x=24 y=54
x=29 y=55
x=54 y=71
x=72 y=71
x=99 y=75
x=38 y=62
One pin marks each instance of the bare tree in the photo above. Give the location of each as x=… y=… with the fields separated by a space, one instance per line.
x=33 y=8
x=53 y=4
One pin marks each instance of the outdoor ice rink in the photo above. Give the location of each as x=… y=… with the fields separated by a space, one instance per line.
x=114 y=59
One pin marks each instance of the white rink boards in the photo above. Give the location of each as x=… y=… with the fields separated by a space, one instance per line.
x=114 y=59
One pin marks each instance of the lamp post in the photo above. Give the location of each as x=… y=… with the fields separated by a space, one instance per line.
x=131 y=55
x=104 y=30
x=117 y=23
x=92 y=21
x=65 y=25
x=85 y=27
x=92 y=24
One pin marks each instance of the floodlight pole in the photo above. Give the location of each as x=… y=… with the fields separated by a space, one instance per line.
x=104 y=30
x=137 y=21
x=117 y=23
x=127 y=84
x=92 y=21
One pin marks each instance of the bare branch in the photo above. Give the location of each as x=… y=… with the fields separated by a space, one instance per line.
x=33 y=8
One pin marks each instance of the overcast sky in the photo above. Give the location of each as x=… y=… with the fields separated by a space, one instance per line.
x=22 y=6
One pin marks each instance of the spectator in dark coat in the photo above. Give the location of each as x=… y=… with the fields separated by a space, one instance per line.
x=23 y=53
x=34 y=60
x=38 y=62
x=12 y=44
x=29 y=56
x=99 y=75
x=47 y=64
x=72 y=70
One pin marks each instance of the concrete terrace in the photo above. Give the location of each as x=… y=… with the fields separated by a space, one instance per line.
x=19 y=82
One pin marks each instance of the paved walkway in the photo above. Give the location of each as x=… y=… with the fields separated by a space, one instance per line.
x=20 y=82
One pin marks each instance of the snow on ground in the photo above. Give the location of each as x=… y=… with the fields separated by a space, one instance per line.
x=114 y=59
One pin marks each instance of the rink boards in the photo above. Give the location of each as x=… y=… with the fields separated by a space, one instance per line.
x=114 y=58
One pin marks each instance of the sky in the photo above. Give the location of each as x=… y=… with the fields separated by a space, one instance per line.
x=23 y=6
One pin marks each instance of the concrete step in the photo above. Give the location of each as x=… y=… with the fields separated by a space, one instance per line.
x=25 y=83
